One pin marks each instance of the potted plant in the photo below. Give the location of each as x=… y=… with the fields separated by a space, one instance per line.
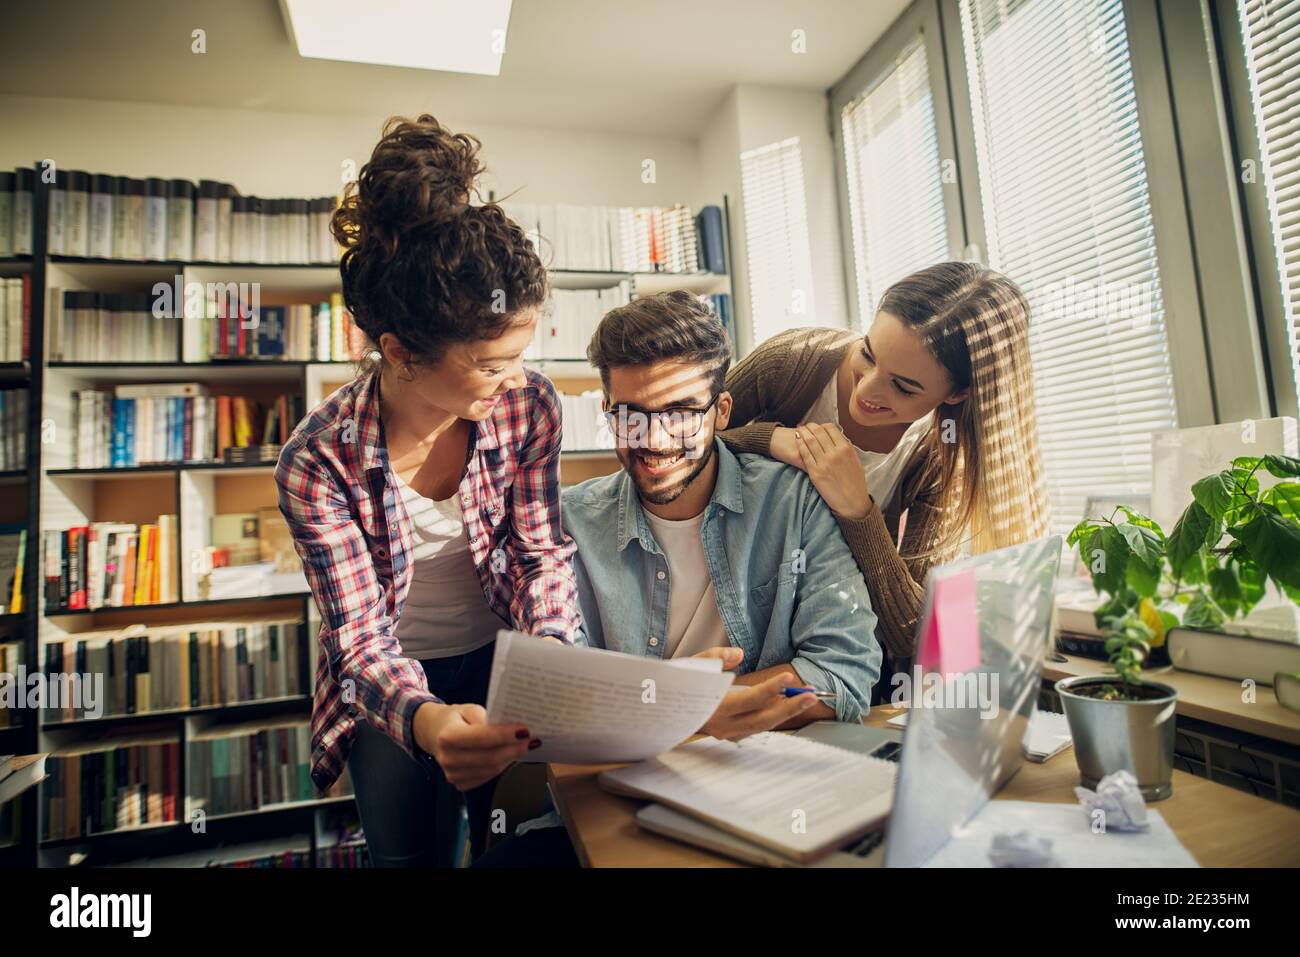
x=1152 y=582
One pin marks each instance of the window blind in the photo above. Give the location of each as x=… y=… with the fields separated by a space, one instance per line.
x=1271 y=31
x=1063 y=186
x=777 y=246
x=895 y=185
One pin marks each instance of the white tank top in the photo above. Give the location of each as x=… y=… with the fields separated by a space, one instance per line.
x=446 y=612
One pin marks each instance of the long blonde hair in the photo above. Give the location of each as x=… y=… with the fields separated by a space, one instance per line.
x=989 y=468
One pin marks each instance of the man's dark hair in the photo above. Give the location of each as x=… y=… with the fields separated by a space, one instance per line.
x=675 y=326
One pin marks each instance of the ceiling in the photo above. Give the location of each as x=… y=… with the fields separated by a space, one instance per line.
x=646 y=66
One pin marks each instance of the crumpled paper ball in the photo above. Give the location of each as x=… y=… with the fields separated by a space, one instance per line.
x=1021 y=849
x=1119 y=799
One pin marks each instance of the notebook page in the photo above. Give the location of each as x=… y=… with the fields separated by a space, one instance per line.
x=592 y=706
x=790 y=793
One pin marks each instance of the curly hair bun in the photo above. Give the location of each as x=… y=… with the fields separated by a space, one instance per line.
x=419 y=260
x=420 y=176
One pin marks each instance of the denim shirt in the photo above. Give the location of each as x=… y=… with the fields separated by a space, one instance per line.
x=787 y=586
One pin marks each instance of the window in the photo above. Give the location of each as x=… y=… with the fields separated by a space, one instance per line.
x=776 y=238
x=891 y=160
x=1271 y=37
x=1063 y=189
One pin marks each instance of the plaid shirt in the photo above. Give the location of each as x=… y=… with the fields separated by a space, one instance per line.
x=339 y=496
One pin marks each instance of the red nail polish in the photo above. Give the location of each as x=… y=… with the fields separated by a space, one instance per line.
x=521 y=734
x=535 y=743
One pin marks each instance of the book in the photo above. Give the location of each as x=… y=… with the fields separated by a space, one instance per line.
x=760 y=789
x=1232 y=656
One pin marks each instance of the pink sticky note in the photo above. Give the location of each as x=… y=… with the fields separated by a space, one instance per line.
x=951 y=642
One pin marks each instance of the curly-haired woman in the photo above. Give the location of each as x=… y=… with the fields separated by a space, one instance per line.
x=423 y=497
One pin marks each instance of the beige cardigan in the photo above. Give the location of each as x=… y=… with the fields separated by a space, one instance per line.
x=776 y=385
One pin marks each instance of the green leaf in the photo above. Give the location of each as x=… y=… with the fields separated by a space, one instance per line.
x=1115 y=549
x=1169 y=620
x=1081 y=531
x=1285 y=497
x=1248 y=462
x=1202 y=613
x=1226 y=589
x=1137 y=518
x=1144 y=544
x=1250 y=579
x=1245 y=492
x=1283 y=466
x=1142 y=578
x=1274 y=543
x=1214 y=493
x=1193 y=531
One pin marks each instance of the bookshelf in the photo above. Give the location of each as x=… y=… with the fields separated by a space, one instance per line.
x=53 y=492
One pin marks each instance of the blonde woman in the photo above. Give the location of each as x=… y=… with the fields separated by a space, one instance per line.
x=925 y=425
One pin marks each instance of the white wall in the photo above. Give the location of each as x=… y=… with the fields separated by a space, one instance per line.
x=301 y=154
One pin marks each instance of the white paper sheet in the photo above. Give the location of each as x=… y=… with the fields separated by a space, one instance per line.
x=785 y=792
x=591 y=706
x=1074 y=844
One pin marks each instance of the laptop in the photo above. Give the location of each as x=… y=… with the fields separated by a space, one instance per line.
x=960 y=746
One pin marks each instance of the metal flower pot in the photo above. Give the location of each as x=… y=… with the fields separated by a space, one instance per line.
x=1137 y=736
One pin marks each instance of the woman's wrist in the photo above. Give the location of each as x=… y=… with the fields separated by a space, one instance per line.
x=427 y=723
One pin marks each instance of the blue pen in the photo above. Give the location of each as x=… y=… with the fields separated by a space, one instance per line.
x=821 y=695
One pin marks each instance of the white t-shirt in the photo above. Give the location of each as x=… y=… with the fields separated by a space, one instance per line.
x=446 y=612
x=694 y=623
x=883 y=469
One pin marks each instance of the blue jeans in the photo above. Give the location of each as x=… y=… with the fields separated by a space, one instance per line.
x=411 y=819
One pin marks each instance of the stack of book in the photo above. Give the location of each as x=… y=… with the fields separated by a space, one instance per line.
x=110 y=565
x=249 y=554
x=610 y=238
x=13 y=555
x=109 y=327
x=566 y=330
x=111 y=785
x=15 y=318
x=585 y=425
x=321 y=332
x=153 y=424
x=13 y=429
x=180 y=667
x=247 y=766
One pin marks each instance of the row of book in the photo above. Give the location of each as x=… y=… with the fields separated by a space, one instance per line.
x=585 y=425
x=95 y=787
x=244 y=767
x=720 y=303
x=161 y=423
x=349 y=851
x=110 y=565
x=13 y=558
x=611 y=238
x=13 y=430
x=11 y=657
x=15 y=318
x=118 y=217
x=180 y=667
x=324 y=332
x=17 y=195
x=567 y=326
x=87 y=326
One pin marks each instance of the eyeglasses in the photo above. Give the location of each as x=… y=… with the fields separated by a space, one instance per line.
x=631 y=426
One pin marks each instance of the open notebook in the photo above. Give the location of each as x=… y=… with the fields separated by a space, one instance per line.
x=798 y=797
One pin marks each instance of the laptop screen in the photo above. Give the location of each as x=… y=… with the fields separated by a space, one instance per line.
x=965 y=727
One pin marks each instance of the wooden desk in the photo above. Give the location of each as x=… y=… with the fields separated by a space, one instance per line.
x=1206 y=698
x=1220 y=826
